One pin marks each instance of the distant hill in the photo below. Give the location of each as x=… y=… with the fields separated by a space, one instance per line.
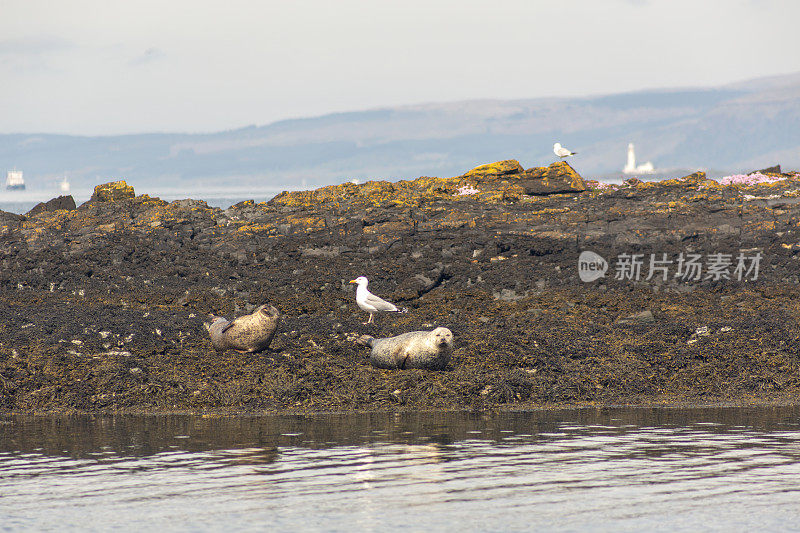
x=739 y=127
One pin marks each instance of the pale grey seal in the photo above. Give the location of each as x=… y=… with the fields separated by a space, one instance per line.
x=416 y=349
x=246 y=334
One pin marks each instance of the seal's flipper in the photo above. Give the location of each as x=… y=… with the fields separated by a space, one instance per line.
x=401 y=364
x=365 y=340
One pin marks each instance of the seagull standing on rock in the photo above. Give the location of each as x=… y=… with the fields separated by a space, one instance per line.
x=562 y=152
x=370 y=303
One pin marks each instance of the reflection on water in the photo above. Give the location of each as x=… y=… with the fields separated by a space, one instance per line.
x=610 y=469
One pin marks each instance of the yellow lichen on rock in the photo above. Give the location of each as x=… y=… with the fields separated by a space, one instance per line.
x=113 y=192
x=255 y=228
x=498 y=168
x=295 y=199
x=502 y=181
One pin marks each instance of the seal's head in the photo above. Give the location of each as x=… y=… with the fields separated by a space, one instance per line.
x=268 y=311
x=216 y=322
x=442 y=337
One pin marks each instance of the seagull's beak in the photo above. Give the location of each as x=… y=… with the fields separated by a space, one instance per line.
x=352 y=281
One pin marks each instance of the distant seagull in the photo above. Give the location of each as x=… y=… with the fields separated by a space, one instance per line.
x=562 y=152
x=370 y=303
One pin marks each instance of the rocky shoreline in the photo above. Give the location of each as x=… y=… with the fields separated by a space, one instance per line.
x=103 y=304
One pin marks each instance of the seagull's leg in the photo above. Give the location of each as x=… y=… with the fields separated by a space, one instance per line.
x=371 y=318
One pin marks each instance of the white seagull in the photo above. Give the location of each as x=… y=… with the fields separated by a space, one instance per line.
x=562 y=152
x=370 y=303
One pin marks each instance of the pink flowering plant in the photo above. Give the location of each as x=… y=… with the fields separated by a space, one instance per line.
x=756 y=178
x=466 y=190
x=606 y=186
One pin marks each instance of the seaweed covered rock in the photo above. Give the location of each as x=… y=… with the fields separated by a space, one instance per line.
x=103 y=306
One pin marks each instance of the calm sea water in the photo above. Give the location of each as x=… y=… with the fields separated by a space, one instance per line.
x=21 y=202
x=727 y=469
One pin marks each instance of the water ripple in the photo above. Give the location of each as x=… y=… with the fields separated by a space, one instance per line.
x=516 y=471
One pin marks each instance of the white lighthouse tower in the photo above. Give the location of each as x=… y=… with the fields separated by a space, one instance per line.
x=630 y=165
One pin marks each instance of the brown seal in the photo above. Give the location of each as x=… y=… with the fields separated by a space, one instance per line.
x=246 y=334
x=416 y=349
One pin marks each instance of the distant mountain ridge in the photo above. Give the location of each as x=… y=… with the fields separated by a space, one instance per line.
x=737 y=127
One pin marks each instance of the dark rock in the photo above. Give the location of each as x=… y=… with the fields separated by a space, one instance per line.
x=769 y=170
x=501 y=176
x=61 y=202
x=499 y=168
x=7 y=218
x=420 y=284
x=189 y=203
x=642 y=317
x=326 y=251
x=114 y=191
x=559 y=177
x=508 y=295
x=696 y=179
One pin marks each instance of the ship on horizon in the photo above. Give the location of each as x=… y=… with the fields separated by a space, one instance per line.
x=14 y=181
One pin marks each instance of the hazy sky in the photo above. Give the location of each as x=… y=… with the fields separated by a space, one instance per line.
x=111 y=66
